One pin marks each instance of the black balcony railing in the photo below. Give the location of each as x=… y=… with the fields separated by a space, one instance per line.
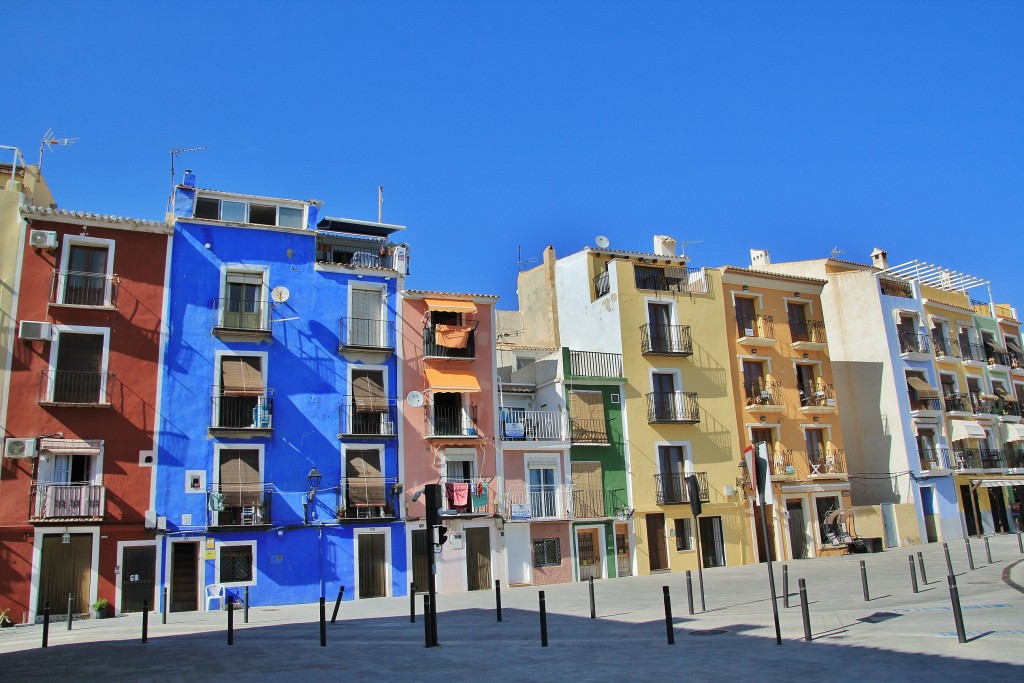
x=452 y=421
x=83 y=289
x=68 y=387
x=898 y=288
x=945 y=346
x=597 y=503
x=234 y=505
x=670 y=279
x=934 y=458
x=966 y=459
x=756 y=326
x=827 y=461
x=1014 y=458
x=913 y=342
x=368 y=498
x=996 y=357
x=763 y=393
x=432 y=349
x=1007 y=408
x=241 y=315
x=243 y=412
x=588 y=431
x=983 y=404
x=366 y=333
x=601 y=285
x=362 y=416
x=817 y=395
x=782 y=462
x=595 y=364
x=66 y=501
x=971 y=351
x=919 y=403
x=671 y=488
x=992 y=458
x=673 y=406
x=807 y=331
x=665 y=340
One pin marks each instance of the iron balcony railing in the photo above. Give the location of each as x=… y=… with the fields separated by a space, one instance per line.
x=665 y=340
x=242 y=412
x=539 y=501
x=1015 y=458
x=782 y=462
x=944 y=346
x=983 y=405
x=368 y=498
x=980 y=458
x=816 y=395
x=366 y=333
x=588 y=431
x=898 y=288
x=83 y=289
x=996 y=357
x=348 y=255
x=601 y=285
x=918 y=403
x=673 y=406
x=763 y=393
x=970 y=351
x=1008 y=408
x=70 y=387
x=595 y=364
x=671 y=488
x=361 y=416
x=807 y=331
x=241 y=315
x=670 y=279
x=451 y=421
x=992 y=458
x=597 y=503
x=826 y=461
x=934 y=458
x=756 y=326
x=957 y=403
x=533 y=425
x=913 y=342
x=239 y=505
x=469 y=496
x=431 y=349
x=52 y=500
x=1016 y=360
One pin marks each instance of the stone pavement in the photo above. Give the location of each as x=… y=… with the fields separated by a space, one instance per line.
x=896 y=635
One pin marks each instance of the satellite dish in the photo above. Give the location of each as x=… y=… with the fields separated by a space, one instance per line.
x=601 y=241
x=414 y=399
x=280 y=294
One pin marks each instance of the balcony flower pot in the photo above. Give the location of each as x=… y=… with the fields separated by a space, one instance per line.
x=100 y=608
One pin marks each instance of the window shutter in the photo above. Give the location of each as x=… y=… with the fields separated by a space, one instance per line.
x=241 y=376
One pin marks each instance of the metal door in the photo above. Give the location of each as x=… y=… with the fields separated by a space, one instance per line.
x=138 y=574
x=589 y=547
x=372 y=569
x=65 y=569
x=478 y=558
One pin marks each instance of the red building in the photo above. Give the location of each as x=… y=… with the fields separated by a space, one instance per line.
x=79 y=451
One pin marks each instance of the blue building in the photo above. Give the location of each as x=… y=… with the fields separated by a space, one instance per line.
x=278 y=455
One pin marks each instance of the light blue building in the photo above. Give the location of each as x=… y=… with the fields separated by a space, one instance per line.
x=278 y=451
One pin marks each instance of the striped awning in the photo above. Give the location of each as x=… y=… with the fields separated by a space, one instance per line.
x=1014 y=433
x=967 y=429
x=71 y=446
x=923 y=389
x=450 y=305
x=998 y=483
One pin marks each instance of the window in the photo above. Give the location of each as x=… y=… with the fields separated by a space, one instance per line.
x=815 y=440
x=543 y=501
x=370 y=404
x=235 y=564
x=366 y=326
x=671 y=477
x=661 y=331
x=824 y=506
x=684 y=534
x=238 y=498
x=797 y=313
x=78 y=362
x=907 y=330
x=242 y=307
x=242 y=401
x=746 y=319
x=806 y=384
x=450 y=417
x=754 y=382
x=365 y=492
x=547 y=552
x=586 y=409
x=228 y=211
x=86 y=272
x=666 y=404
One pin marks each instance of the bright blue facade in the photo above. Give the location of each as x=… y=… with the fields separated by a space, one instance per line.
x=257 y=390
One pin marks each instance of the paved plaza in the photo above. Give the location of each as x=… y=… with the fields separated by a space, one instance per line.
x=896 y=635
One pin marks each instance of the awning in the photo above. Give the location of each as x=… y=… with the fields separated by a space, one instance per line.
x=967 y=429
x=1013 y=345
x=923 y=389
x=998 y=483
x=368 y=393
x=988 y=397
x=70 y=446
x=241 y=376
x=1001 y=393
x=1014 y=433
x=452 y=380
x=451 y=305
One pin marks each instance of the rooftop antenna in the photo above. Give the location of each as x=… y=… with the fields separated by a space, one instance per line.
x=527 y=261
x=174 y=155
x=836 y=251
x=683 y=243
x=380 y=203
x=49 y=141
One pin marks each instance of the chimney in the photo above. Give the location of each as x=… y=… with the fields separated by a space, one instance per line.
x=189 y=180
x=759 y=258
x=664 y=246
x=880 y=258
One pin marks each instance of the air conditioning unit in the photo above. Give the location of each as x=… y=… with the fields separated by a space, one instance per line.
x=43 y=239
x=19 y=448
x=34 y=330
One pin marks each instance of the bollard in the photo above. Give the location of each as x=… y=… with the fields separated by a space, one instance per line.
x=805 y=610
x=949 y=562
x=323 y=622
x=785 y=586
x=913 y=574
x=958 y=616
x=970 y=555
x=145 y=621
x=46 y=624
x=864 y=580
x=426 y=620
x=593 y=606
x=543 y=622
x=231 y=620
x=245 y=613
x=497 y=598
x=920 y=563
x=337 y=604
x=988 y=551
x=669 y=631
x=689 y=592
x=71 y=603
x=163 y=615
x=1020 y=543
x=412 y=603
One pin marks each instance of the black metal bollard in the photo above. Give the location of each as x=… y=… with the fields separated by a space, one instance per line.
x=145 y=621
x=337 y=604
x=785 y=586
x=805 y=610
x=543 y=622
x=988 y=551
x=593 y=605
x=920 y=564
x=958 y=616
x=864 y=580
x=323 y=622
x=164 y=605
x=970 y=555
x=46 y=624
x=1020 y=543
x=949 y=562
x=231 y=620
x=497 y=598
x=245 y=613
x=426 y=620
x=669 y=631
x=412 y=603
x=71 y=603
x=913 y=574
x=689 y=592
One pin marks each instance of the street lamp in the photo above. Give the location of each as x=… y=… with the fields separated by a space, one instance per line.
x=313 y=478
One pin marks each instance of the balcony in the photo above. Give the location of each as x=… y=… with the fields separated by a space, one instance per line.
x=347 y=253
x=764 y=396
x=671 y=489
x=826 y=463
x=1008 y=409
x=367 y=498
x=468 y=496
x=57 y=502
x=944 y=347
x=547 y=501
x=598 y=503
x=588 y=432
x=449 y=341
x=673 y=407
x=670 y=279
x=241 y=318
x=1014 y=458
x=756 y=330
x=362 y=418
x=807 y=335
x=533 y=425
x=957 y=403
x=240 y=415
x=923 y=407
x=366 y=334
x=584 y=364
x=899 y=288
x=817 y=399
x=978 y=459
x=972 y=353
x=83 y=290
x=914 y=346
x=601 y=285
x=1016 y=362
x=69 y=388
x=665 y=340
x=984 y=404
x=934 y=458
x=240 y=505
x=782 y=464
x=452 y=422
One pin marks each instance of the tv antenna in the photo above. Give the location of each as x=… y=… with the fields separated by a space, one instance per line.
x=50 y=141
x=527 y=261
x=683 y=243
x=380 y=203
x=836 y=251
x=174 y=155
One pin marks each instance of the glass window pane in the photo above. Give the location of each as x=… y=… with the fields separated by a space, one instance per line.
x=289 y=217
x=232 y=212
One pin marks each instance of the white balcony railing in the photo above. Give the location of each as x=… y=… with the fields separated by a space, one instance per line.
x=533 y=425
x=551 y=501
x=60 y=501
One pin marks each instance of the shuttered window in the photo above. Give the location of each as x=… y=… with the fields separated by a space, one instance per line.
x=240 y=481
x=368 y=391
x=80 y=352
x=241 y=376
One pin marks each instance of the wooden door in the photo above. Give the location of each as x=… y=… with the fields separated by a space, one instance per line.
x=745 y=317
x=372 y=569
x=65 y=568
x=797 y=534
x=184 y=577
x=712 y=541
x=588 y=542
x=656 y=542
x=623 y=563
x=422 y=547
x=138 y=576
x=478 y=558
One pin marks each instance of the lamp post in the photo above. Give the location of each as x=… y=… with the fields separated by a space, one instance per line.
x=313 y=478
x=759 y=480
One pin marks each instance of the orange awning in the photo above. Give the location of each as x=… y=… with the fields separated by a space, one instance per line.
x=451 y=305
x=452 y=380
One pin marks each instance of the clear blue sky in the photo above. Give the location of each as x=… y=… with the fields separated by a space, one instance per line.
x=790 y=126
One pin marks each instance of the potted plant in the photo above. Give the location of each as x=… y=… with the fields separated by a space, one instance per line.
x=99 y=608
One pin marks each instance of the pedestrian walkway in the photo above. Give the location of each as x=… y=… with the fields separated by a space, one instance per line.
x=895 y=635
